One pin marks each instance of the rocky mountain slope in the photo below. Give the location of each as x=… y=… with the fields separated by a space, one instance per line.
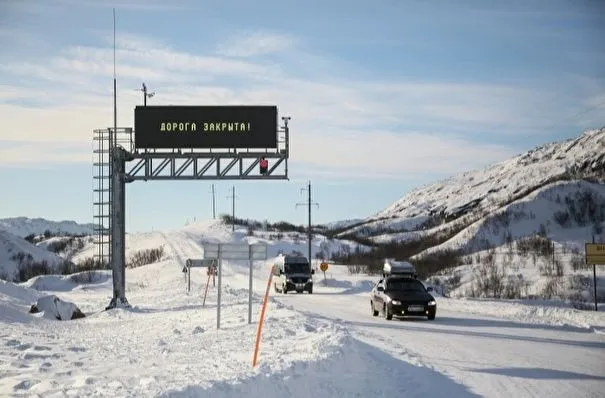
x=469 y=196
x=24 y=226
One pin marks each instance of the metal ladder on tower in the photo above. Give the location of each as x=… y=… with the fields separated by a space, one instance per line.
x=102 y=197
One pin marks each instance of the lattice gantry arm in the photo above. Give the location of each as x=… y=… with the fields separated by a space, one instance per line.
x=206 y=166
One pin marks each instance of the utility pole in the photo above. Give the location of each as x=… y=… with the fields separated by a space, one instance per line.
x=146 y=94
x=213 y=203
x=309 y=203
x=232 y=197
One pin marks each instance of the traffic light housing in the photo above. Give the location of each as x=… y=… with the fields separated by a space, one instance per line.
x=264 y=165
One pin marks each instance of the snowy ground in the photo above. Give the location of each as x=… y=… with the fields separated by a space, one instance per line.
x=320 y=345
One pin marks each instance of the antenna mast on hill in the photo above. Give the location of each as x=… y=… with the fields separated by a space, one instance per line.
x=146 y=94
x=309 y=203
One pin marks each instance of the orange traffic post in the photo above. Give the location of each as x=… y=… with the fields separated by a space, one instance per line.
x=262 y=319
x=206 y=290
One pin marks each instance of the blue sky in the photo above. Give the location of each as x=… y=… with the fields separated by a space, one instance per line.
x=384 y=96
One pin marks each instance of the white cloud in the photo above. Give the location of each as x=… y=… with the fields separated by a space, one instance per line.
x=42 y=153
x=339 y=126
x=250 y=44
x=126 y=4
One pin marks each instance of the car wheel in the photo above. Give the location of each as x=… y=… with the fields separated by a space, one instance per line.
x=284 y=290
x=374 y=312
x=387 y=315
x=431 y=317
x=310 y=290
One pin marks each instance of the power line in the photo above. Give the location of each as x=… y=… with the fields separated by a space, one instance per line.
x=309 y=203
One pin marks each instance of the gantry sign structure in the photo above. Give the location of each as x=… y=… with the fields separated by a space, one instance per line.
x=179 y=143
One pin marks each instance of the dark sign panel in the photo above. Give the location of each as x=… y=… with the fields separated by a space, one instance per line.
x=220 y=126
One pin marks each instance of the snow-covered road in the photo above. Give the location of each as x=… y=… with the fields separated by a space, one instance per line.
x=493 y=357
x=330 y=345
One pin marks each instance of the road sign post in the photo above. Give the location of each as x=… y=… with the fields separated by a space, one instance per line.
x=324 y=267
x=196 y=263
x=595 y=255
x=236 y=252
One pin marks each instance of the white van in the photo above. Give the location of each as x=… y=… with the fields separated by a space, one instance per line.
x=292 y=273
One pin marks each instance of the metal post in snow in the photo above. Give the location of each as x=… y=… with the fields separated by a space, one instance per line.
x=250 y=285
x=220 y=276
x=594 y=281
x=188 y=276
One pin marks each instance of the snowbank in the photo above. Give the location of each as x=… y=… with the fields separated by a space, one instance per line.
x=535 y=311
x=65 y=283
x=353 y=369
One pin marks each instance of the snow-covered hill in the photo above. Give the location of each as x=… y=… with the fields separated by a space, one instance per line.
x=16 y=253
x=219 y=231
x=567 y=212
x=342 y=223
x=323 y=344
x=487 y=189
x=24 y=226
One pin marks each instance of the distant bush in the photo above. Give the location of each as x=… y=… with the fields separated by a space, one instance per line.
x=488 y=278
x=437 y=261
x=67 y=246
x=538 y=244
x=31 y=238
x=512 y=288
x=28 y=268
x=281 y=226
x=562 y=218
x=57 y=246
x=357 y=269
x=91 y=264
x=144 y=257
x=583 y=207
x=374 y=257
x=552 y=289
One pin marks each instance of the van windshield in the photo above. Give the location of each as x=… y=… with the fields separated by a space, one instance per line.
x=296 y=268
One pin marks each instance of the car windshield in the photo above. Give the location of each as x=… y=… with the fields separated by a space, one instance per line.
x=295 y=268
x=403 y=285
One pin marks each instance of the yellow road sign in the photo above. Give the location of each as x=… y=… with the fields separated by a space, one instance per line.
x=595 y=253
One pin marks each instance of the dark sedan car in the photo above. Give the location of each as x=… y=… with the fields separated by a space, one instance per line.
x=401 y=296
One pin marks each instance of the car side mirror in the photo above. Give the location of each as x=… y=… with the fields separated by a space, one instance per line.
x=312 y=272
x=429 y=289
x=380 y=289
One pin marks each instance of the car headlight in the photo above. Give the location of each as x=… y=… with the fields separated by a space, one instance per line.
x=396 y=302
x=288 y=280
x=432 y=302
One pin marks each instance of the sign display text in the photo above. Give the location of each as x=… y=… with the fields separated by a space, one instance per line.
x=216 y=126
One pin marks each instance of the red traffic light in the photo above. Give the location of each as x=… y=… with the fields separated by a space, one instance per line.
x=264 y=165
